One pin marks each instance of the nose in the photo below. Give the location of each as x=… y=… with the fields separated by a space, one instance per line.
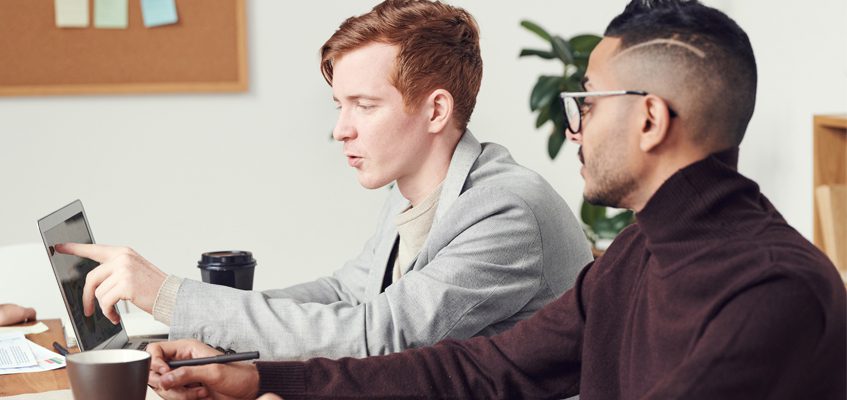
x=344 y=129
x=573 y=137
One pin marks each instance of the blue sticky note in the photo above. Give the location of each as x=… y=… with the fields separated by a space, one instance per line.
x=158 y=12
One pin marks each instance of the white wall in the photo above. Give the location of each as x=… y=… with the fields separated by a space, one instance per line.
x=176 y=175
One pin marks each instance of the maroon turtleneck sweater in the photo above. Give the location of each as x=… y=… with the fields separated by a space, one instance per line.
x=710 y=295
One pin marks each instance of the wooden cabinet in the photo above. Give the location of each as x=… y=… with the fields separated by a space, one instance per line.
x=830 y=187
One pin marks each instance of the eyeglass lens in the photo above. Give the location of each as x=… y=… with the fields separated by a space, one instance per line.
x=573 y=116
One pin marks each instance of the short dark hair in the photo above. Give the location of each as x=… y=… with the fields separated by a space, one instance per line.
x=730 y=62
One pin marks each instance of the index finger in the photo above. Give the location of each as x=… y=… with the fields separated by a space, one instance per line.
x=96 y=252
x=160 y=353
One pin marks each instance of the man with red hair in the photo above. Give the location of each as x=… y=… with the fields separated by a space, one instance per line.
x=468 y=243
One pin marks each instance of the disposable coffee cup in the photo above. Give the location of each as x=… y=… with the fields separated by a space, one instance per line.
x=229 y=268
x=109 y=374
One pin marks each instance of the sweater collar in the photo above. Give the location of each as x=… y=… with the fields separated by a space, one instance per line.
x=706 y=200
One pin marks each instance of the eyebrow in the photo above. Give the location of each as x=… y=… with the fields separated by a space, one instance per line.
x=357 y=97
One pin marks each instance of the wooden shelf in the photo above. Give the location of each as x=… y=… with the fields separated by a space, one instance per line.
x=830 y=171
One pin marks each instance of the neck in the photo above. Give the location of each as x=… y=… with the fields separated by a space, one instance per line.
x=432 y=170
x=662 y=166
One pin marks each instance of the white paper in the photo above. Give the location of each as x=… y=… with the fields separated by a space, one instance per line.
x=15 y=351
x=26 y=330
x=46 y=360
x=65 y=395
x=71 y=13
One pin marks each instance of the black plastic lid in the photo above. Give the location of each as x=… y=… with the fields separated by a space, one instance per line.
x=226 y=260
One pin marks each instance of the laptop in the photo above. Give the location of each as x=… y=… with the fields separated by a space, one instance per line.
x=69 y=224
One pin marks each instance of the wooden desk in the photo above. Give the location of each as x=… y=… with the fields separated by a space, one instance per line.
x=37 y=382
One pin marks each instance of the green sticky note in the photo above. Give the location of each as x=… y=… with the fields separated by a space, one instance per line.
x=111 y=14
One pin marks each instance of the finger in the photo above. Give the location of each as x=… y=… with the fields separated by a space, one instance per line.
x=158 y=360
x=107 y=304
x=96 y=252
x=29 y=314
x=183 y=393
x=92 y=282
x=204 y=374
x=153 y=379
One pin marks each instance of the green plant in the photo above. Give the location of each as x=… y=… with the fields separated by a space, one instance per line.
x=573 y=53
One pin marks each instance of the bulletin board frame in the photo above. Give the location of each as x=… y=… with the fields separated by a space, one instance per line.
x=205 y=51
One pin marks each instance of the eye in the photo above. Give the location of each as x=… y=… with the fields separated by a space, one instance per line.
x=364 y=107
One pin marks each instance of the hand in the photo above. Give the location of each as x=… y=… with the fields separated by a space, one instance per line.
x=11 y=314
x=218 y=381
x=122 y=275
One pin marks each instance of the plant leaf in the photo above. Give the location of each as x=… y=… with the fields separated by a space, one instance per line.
x=547 y=55
x=621 y=220
x=543 y=116
x=536 y=29
x=557 y=113
x=544 y=91
x=555 y=142
x=590 y=214
x=562 y=49
x=584 y=44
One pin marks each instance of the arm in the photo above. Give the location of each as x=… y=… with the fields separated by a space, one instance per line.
x=538 y=358
x=348 y=283
x=485 y=274
x=11 y=314
x=345 y=285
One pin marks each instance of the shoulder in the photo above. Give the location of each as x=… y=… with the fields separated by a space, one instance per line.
x=495 y=172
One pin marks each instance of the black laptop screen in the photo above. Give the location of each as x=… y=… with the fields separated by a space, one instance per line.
x=71 y=272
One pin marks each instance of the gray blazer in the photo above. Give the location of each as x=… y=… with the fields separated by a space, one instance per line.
x=503 y=243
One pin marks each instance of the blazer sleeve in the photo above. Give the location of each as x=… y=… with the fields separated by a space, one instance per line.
x=348 y=284
x=487 y=272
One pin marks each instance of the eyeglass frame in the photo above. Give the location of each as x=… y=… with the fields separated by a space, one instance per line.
x=574 y=95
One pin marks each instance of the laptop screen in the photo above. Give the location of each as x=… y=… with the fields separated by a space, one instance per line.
x=70 y=273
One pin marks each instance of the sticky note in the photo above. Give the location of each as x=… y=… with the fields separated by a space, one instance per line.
x=111 y=14
x=158 y=12
x=71 y=13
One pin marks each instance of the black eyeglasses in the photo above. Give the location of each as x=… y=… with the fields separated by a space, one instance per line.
x=573 y=109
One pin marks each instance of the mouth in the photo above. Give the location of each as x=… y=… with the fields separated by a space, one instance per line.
x=580 y=156
x=354 y=161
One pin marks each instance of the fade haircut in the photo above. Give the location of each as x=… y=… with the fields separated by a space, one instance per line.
x=712 y=49
x=438 y=49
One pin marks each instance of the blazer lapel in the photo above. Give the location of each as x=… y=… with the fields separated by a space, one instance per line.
x=464 y=157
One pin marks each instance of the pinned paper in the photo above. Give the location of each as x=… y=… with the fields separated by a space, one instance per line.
x=71 y=13
x=111 y=14
x=158 y=12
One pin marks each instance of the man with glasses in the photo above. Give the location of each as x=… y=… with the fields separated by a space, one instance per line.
x=709 y=295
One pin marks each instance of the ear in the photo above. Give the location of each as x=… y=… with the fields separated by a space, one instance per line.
x=439 y=110
x=654 y=128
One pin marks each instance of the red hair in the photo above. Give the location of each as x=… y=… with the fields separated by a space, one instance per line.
x=438 y=49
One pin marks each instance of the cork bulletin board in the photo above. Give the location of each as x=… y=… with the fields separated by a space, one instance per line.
x=204 y=52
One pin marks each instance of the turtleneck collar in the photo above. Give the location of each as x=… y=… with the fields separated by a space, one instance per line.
x=705 y=201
